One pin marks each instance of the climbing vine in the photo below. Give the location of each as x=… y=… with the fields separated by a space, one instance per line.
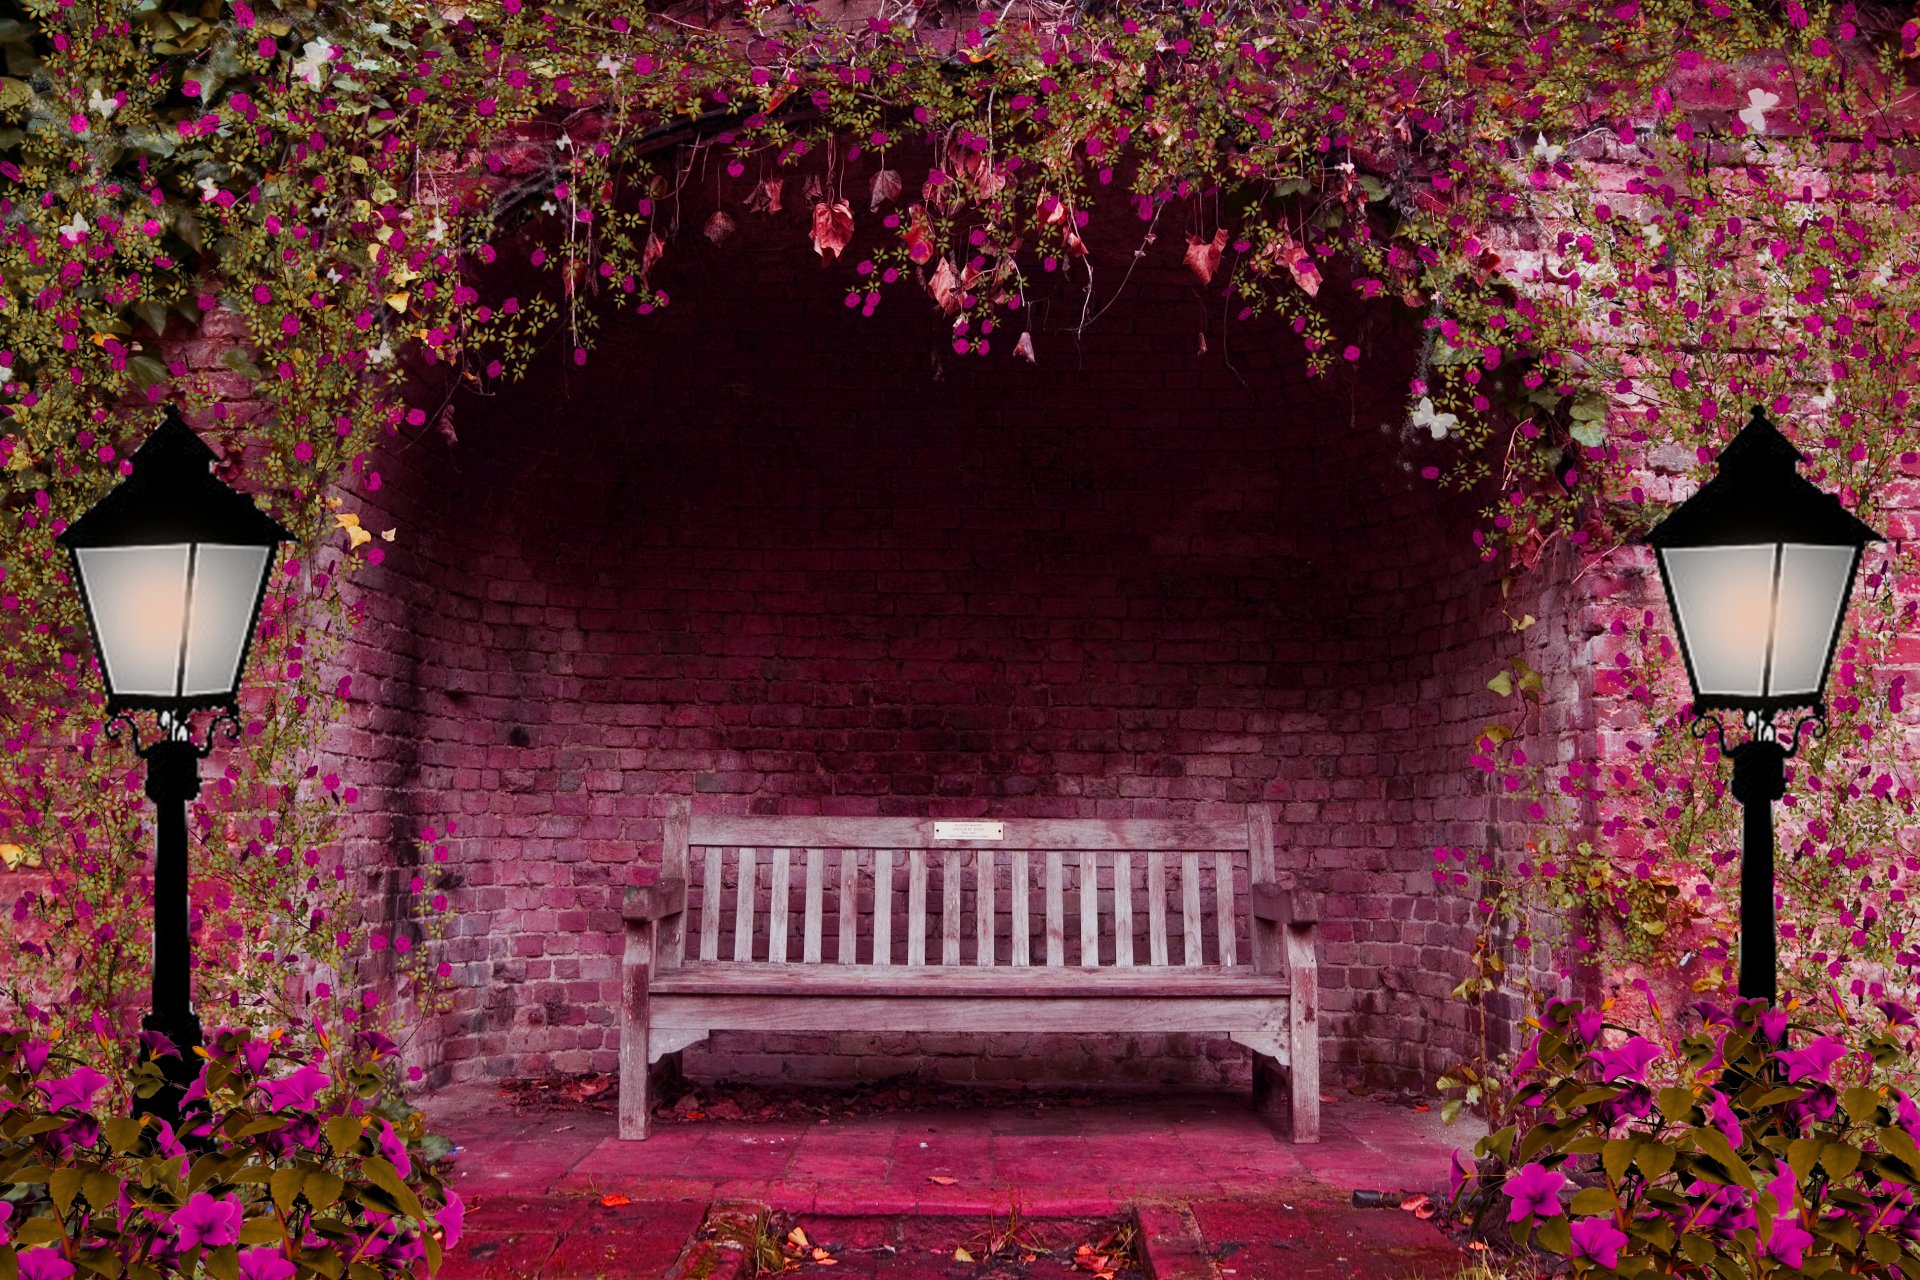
x=1618 y=224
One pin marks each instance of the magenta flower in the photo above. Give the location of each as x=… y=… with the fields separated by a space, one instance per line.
x=452 y=1217
x=6 y=1216
x=1630 y=1061
x=75 y=1091
x=1721 y=1116
x=207 y=1222
x=394 y=1148
x=1598 y=1240
x=255 y=1054
x=265 y=1264
x=297 y=1091
x=44 y=1264
x=1813 y=1062
x=1782 y=1189
x=1787 y=1243
x=1535 y=1192
x=1458 y=1173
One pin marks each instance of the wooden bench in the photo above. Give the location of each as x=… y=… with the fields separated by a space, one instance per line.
x=1020 y=933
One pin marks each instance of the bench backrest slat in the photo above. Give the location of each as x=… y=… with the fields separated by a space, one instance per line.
x=1092 y=883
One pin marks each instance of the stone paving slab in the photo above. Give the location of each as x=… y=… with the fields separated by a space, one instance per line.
x=1226 y=1195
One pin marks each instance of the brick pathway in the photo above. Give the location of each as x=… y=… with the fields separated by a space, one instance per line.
x=1231 y=1198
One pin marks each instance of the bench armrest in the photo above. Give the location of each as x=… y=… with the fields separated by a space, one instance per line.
x=1283 y=903
x=655 y=901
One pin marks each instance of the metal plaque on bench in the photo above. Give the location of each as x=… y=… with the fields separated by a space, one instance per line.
x=969 y=831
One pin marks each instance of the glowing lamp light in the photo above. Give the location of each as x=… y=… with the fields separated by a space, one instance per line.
x=1758 y=567
x=172 y=566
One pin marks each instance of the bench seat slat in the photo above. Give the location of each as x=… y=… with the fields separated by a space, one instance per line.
x=723 y=978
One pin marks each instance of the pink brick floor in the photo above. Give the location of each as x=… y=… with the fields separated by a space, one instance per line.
x=1264 y=1207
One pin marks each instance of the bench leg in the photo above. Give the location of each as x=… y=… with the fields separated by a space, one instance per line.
x=636 y=1104
x=1270 y=1095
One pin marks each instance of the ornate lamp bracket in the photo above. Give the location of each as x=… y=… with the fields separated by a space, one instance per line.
x=175 y=732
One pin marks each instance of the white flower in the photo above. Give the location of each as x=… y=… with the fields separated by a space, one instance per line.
x=73 y=231
x=611 y=65
x=380 y=354
x=1759 y=101
x=1546 y=152
x=308 y=67
x=103 y=106
x=1438 y=423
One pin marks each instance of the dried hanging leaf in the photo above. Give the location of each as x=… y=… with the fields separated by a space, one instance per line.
x=811 y=189
x=1292 y=255
x=1203 y=256
x=918 y=235
x=655 y=250
x=398 y=301
x=832 y=228
x=945 y=287
x=719 y=227
x=886 y=186
x=356 y=536
x=766 y=196
x=1203 y=343
x=1024 y=347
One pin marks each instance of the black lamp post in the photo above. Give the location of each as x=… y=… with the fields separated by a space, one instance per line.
x=172 y=566
x=1758 y=567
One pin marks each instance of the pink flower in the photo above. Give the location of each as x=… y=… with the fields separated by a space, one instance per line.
x=75 y=1091
x=44 y=1264
x=1535 y=1192
x=1599 y=1240
x=6 y=1215
x=265 y=1264
x=1629 y=1061
x=207 y=1222
x=1813 y=1062
x=452 y=1217
x=1787 y=1243
x=297 y=1091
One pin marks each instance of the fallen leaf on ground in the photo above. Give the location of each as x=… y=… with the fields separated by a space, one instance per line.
x=942 y=1179
x=1420 y=1205
x=961 y=1255
x=798 y=1238
x=614 y=1200
x=1421 y=1106
x=1327 y=1097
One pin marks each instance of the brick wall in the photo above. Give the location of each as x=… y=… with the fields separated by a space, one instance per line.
x=787 y=559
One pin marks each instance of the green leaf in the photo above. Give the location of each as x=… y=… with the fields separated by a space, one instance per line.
x=1861 y=1103
x=39 y=1231
x=1592 y=1202
x=1654 y=1159
x=1557 y=1235
x=1774 y=1097
x=1676 y=1103
x=152 y=314
x=343 y=1133
x=63 y=1186
x=322 y=1189
x=1713 y=1144
x=1802 y=1153
x=285 y=1185
x=262 y=1231
x=1450 y=1110
x=1839 y=1159
x=383 y=1175
x=1590 y=434
x=101 y=1189
x=1502 y=684
x=14 y=94
x=240 y=362
x=147 y=371
x=122 y=1131
x=221 y=1264
x=1697 y=1249
x=1617 y=1157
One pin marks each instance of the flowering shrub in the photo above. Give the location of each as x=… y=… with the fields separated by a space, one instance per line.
x=285 y=1168
x=1742 y=1150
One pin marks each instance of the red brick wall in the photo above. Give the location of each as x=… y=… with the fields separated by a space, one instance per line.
x=788 y=559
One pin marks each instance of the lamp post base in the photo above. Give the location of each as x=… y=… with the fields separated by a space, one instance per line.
x=183 y=1029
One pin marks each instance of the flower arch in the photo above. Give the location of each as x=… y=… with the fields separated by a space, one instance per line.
x=1617 y=223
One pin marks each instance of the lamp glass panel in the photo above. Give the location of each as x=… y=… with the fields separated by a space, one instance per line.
x=139 y=600
x=1724 y=596
x=226 y=583
x=1813 y=591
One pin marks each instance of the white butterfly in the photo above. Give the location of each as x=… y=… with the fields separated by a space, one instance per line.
x=1824 y=401
x=1884 y=276
x=611 y=65
x=73 y=231
x=308 y=67
x=565 y=143
x=1438 y=423
x=380 y=354
x=1546 y=152
x=1759 y=102
x=334 y=276
x=438 y=231
x=1654 y=238
x=103 y=106
x=208 y=189
x=548 y=206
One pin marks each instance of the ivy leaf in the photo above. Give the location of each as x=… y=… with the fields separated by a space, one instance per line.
x=832 y=229
x=147 y=371
x=1676 y=1103
x=886 y=186
x=240 y=362
x=152 y=314
x=1590 y=434
x=1502 y=684
x=1204 y=256
x=1861 y=1103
